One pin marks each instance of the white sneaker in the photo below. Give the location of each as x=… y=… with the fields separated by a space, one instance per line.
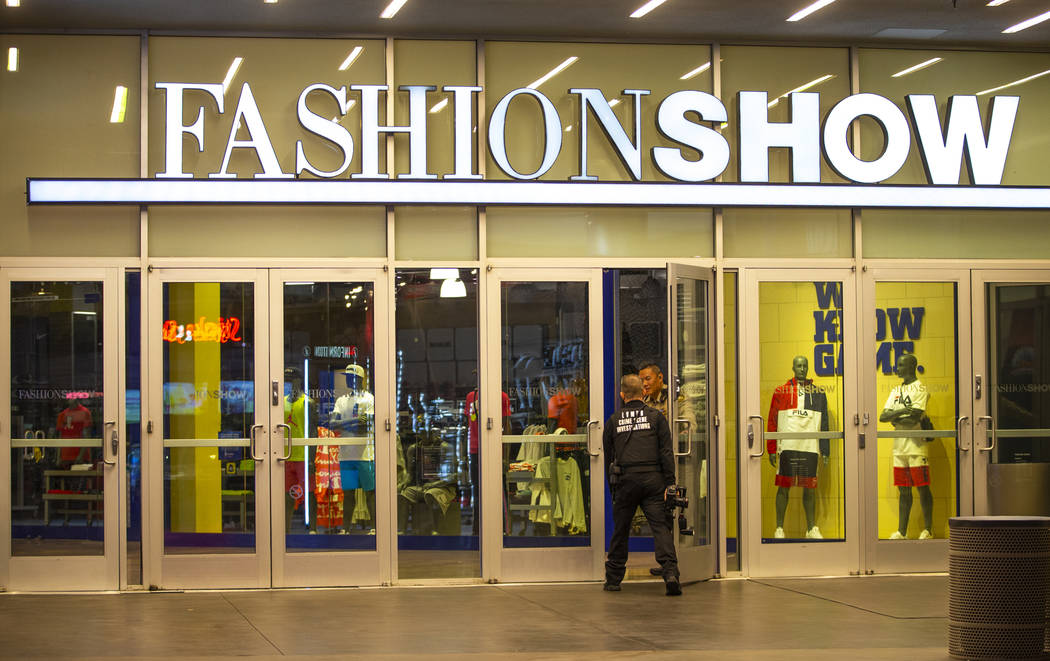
x=897 y=535
x=925 y=534
x=814 y=533
x=779 y=533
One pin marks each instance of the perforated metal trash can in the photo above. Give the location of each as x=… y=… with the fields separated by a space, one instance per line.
x=998 y=587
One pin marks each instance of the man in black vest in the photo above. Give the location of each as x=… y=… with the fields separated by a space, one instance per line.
x=639 y=464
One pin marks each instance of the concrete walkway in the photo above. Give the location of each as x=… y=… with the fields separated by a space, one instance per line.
x=895 y=617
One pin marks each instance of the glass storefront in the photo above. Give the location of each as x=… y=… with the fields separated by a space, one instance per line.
x=955 y=427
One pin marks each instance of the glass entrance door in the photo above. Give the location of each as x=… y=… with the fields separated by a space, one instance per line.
x=692 y=371
x=62 y=431
x=542 y=426
x=207 y=433
x=329 y=428
x=917 y=470
x=798 y=400
x=263 y=439
x=1011 y=393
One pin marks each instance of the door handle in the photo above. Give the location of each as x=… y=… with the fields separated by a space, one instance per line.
x=751 y=436
x=959 y=434
x=688 y=437
x=593 y=453
x=287 y=441
x=251 y=442
x=990 y=428
x=110 y=424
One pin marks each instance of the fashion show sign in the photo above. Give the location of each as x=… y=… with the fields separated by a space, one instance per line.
x=687 y=119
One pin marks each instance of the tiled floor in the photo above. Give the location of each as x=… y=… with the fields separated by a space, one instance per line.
x=842 y=618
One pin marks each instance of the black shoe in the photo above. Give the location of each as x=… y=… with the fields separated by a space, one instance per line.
x=614 y=587
x=674 y=588
x=656 y=571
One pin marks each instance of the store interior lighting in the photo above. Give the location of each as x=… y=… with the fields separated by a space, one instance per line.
x=444 y=274
x=646 y=8
x=1024 y=25
x=391 y=9
x=569 y=61
x=453 y=288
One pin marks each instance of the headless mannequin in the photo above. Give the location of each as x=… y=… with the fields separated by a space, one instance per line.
x=358 y=426
x=800 y=369
x=908 y=418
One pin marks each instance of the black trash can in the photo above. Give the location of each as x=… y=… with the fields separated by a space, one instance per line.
x=998 y=587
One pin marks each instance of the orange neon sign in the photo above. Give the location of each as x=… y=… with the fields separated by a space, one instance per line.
x=223 y=331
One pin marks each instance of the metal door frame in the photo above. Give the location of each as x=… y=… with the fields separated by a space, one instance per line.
x=799 y=559
x=894 y=556
x=501 y=564
x=49 y=573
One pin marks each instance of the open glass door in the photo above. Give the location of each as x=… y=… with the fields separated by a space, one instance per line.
x=690 y=304
x=1011 y=393
x=543 y=425
x=208 y=431
x=63 y=437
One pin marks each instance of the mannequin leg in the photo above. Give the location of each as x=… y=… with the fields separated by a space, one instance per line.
x=782 y=505
x=905 y=509
x=926 y=502
x=809 y=505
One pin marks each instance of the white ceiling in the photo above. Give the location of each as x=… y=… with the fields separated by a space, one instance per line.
x=932 y=23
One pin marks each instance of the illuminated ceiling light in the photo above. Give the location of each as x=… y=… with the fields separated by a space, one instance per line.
x=800 y=88
x=350 y=58
x=920 y=65
x=697 y=71
x=392 y=8
x=646 y=8
x=440 y=105
x=120 y=105
x=569 y=61
x=270 y=2
x=996 y=3
x=453 y=288
x=444 y=274
x=801 y=14
x=12 y=59
x=236 y=64
x=1024 y=25
x=1016 y=82
x=14 y=3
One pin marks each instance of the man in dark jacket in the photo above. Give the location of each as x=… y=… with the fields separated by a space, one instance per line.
x=639 y=464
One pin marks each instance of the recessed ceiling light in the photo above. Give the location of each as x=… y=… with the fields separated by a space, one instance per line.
x=350 y=58
x=270 y=2
x=1016 y=82
x=569 y=61
x=12 y=59
x=646 y=8
x=802 y=13
x=697 y=71
x=392 y=8
x=920 y=65
x=14 y=3
x=996 y=3
x=1024 y=25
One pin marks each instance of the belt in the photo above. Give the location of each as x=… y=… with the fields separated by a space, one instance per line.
x=641 y=469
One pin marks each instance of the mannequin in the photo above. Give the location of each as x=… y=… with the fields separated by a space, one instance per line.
x=354 y=416
x=71 y=423
x=798 y=406
x=905 y=409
